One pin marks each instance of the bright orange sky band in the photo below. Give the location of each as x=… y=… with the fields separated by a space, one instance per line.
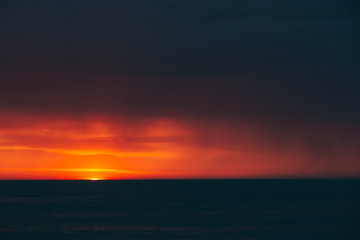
x=98 y=147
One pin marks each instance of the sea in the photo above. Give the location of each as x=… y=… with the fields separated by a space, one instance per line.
x=180 y=209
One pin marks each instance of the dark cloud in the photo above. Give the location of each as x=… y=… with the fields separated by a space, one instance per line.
x=259 y=59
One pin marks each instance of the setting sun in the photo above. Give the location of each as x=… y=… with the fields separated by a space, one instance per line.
x=95 y=179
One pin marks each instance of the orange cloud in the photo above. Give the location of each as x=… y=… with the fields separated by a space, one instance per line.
x=58 y=147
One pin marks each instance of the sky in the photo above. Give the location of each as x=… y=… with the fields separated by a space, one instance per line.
x=158 y=89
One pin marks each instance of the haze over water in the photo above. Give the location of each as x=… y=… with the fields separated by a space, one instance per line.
x=180 y=209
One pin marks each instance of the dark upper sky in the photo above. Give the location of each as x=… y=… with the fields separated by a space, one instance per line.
x=279 y=58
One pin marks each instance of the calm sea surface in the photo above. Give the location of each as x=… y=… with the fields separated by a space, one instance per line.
x=180 y=209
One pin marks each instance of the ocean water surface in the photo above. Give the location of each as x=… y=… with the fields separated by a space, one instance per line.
x=180 y=209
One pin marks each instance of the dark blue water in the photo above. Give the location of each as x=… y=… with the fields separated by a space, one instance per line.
x=181 y=209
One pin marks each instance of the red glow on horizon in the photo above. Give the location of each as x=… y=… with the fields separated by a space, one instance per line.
x=105 y=148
